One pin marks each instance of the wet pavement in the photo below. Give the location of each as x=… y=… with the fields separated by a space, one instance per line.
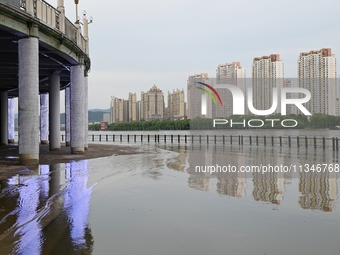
x=152 y=203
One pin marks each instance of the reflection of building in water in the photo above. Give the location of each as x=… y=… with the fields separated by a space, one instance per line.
x=268 y=187
x=319 y=191
x=199 y=157
x=233 y=185
x=199 y=183
x=180 y=162
x=287 y=161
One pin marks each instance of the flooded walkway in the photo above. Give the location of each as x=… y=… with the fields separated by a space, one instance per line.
x=10 y=163
x=153 y=203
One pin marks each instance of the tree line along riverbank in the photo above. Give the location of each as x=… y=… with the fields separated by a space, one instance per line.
x=316 y=121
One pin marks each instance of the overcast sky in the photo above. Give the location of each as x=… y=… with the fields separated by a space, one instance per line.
x=135 y=44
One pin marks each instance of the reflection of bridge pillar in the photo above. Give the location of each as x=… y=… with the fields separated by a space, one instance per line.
x=29 y=100
x=4 y=118
x=77 y=201
x=29 y=232
x=11 y=120
x=45 y=178
x=67 y=116
x=44 y=118
x=77 y=110
x=86 y=106
x=54 y=183
x=54 y=102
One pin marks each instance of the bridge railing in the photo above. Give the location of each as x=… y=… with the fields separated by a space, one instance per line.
x=46 y=13
x=52 y=17
x=70 y=30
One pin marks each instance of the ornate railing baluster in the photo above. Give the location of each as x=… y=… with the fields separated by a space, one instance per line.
x=35 y=7
x=57 y=20
x=23 y=5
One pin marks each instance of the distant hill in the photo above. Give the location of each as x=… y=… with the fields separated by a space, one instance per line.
x=95 y=115
x=100 y=110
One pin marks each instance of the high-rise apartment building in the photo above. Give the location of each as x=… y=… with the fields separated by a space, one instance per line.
x=338 y=96
x=112 y=109
x=116 y=109
x=132 y=107
x=138 y=110
x=317 y=73
x=176 y=104
x=194 y=97
x=233 y=74
x=126 y=105
x=152 y=104
x=290 y=108
x=268 y=73
x=166 y=113
x=107 y=117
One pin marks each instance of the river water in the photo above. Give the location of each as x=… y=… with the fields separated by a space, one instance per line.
x=155 y=202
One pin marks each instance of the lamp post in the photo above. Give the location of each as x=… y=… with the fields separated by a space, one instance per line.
x=86 y=23
x=77 y=17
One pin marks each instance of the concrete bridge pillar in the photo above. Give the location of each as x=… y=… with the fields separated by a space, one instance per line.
x=44 y=118
x=29 y=101
x=67 y=116
x=4 y=118
x=77 y=110
x=86 y=106
x=54 y=103
x=11 y=120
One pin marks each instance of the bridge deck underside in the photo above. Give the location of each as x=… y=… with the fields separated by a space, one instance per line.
x=50 y=61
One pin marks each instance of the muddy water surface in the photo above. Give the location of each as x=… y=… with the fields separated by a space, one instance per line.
x=153 y=203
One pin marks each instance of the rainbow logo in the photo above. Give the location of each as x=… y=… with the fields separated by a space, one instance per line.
x=209 y=92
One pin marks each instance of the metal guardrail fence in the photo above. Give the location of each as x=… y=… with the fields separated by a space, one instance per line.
x=281 y=141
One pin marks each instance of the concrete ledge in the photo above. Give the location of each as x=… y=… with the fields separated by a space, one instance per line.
x=11 y=141
x=44 y=142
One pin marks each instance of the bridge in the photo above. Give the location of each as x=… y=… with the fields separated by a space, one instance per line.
x=42 y=52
